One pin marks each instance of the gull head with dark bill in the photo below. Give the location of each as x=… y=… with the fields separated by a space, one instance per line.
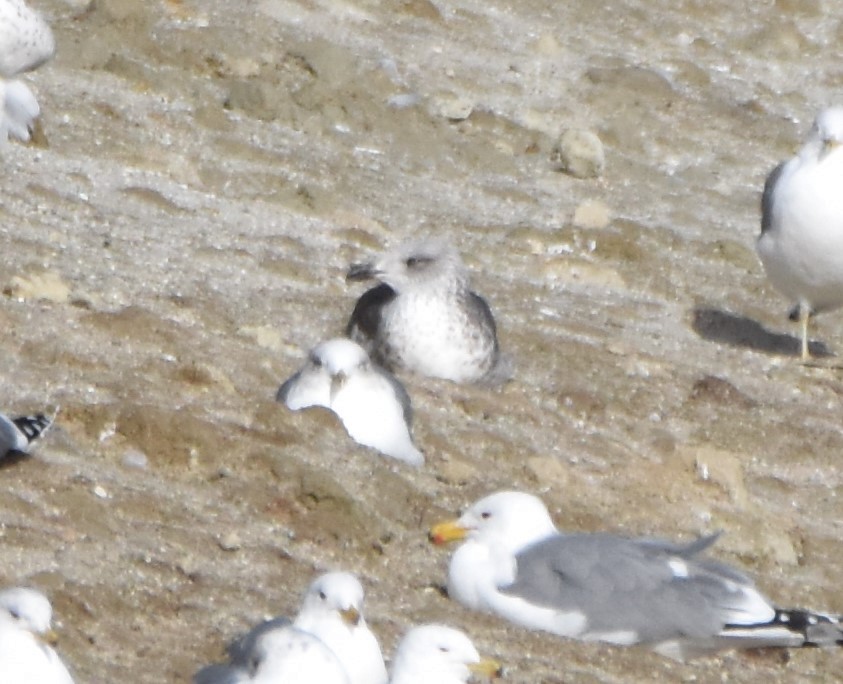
x=423 y=317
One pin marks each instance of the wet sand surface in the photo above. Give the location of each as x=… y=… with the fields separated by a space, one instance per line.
x=179 y=239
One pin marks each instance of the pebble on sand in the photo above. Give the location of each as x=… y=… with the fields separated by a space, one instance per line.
x=579 y=153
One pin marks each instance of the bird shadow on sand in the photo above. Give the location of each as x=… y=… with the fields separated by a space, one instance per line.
x=738 y=331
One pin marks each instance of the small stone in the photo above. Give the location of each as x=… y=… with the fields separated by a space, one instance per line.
x=725 y=470
x=592 y=214
x=135 y=458
x=451 y=106
x=579 y=153
x=46 y=286
x=230 y=542
x=101 y=493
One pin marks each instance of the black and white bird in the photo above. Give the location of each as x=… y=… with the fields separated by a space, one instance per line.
x=332 y=612
x=26 y=655
x=602 y=587
x=26 y=42
x=16 y=434
x=424 y=317
x=801 y=242
x=440 y=654
x=373 y=406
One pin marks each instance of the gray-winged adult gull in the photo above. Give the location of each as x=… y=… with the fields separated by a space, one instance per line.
x=424 y=317
x=373 y=406
x=801 y=242
x=602 y=587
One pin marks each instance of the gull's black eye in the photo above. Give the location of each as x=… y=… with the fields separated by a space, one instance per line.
x=417 y=261
x=485 y=515
x=322 y=595
x=316 y=361
x=14 y=614
x=443 y=649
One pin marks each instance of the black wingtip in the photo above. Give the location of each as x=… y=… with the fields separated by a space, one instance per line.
x=33 y=427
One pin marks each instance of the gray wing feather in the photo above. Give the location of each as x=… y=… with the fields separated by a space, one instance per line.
x=240 y=650
x=400 y=393
x=767 y=197
x=626 y=584
x=219 y=674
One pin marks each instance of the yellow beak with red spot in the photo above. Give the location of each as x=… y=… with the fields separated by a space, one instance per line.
x=488 y=668
x=445 y=532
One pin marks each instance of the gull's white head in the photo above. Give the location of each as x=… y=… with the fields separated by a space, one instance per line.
x=437 y=651
x=334 y=595
x=339 y=356
x=430 y=263
x=27 y=608
x=508 y=520
x=827 y=132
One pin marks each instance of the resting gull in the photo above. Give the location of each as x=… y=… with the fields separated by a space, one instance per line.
x=801 y=242
x=372 y=405
x=424 y=318
x=16 y=434
x=602 y=587
x=282 y=653
x=25 y=656
x=436 y=653
x=332 y=611
x=26 y=42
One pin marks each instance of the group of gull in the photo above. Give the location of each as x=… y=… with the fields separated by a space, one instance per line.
x=423 y=317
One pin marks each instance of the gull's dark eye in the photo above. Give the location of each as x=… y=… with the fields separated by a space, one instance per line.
x=322 y=595
x=417 y=261
x=14 y=614
x=316 y=361
x=485 y=515
x=443 y=649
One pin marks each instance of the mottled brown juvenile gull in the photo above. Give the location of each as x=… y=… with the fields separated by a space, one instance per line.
x=26 y=42
x=373 y=406
x=602 y=587
x=332 y=611
x=423 y=317
x=438 y=654
x=801 y=242
x=16 y=434
x=25 y=656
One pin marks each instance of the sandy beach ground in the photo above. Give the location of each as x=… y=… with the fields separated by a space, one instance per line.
x=179 y=238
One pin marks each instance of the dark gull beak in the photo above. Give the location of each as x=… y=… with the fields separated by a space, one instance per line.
x=362 y=272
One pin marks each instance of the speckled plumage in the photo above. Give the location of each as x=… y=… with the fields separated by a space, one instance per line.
x=423 y=317
x=26 y=42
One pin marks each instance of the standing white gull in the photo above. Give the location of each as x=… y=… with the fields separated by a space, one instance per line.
x=372 y=405
x=423 y=317
x=332 y=611
x=801 y=242
x=602 y=587
x=26 y=42
x=16 y=434
x=25 y=656
x=436 y=653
